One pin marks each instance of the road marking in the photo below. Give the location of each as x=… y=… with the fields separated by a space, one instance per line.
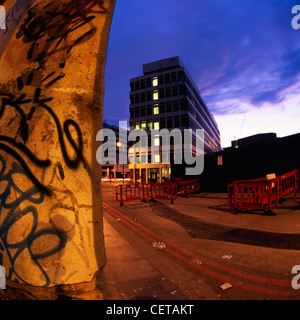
x=152 y=236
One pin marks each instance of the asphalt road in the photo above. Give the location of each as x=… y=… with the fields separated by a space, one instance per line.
x=210 y=246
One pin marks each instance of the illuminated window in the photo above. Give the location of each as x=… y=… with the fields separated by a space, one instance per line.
x=137 y=125
x=156 y=158
x=156 y=125
x=155 y=95
x=155 y=109
x=149 y=124
x=154 y=81
x=156 y=140
x=143 y=126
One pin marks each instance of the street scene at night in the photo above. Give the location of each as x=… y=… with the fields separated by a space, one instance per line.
x=149 y=152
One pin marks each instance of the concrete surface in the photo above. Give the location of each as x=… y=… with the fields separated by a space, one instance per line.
x=252 y=237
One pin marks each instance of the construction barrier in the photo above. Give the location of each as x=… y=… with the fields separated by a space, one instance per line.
x=166 y=191
x=131 y=192
x=262 y=193
x=187 y=187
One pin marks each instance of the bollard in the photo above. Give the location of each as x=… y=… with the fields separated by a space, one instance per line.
x=51 y=97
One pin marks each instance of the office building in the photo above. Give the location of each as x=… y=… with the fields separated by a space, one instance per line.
x=166 y=97
x=115 y=171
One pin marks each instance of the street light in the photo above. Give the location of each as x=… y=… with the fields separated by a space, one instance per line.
x=119 y=144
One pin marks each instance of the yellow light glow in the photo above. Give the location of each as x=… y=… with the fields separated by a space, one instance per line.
x=156 y=158
x=154 y=82
x=155 y=109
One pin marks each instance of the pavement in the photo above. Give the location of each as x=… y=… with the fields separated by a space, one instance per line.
x=132 y=270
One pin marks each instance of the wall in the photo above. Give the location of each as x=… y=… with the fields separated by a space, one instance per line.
x=277 y=156
x=51 y=103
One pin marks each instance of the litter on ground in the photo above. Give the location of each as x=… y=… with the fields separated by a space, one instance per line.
x=225 y=286
x=159 y=245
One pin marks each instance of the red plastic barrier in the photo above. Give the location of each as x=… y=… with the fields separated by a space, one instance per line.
x=143 y=191
x=165 y=191
x=288 y=183
x=131 y=192
x=262 y=193
x=189 y=186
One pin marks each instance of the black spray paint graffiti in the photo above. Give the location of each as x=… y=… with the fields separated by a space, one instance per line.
x=51 y=29
x=18 y=103
x=10 y=214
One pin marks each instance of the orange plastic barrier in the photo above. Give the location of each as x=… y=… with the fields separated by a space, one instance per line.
x=262 y=193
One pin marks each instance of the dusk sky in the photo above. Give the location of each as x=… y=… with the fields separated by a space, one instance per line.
x=243 y=55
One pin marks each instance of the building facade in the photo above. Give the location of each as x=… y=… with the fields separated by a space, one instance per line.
x=115 y=171
x=166 y=97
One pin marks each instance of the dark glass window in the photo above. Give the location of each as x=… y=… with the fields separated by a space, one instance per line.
x=168 y=92
x=174 y=91
x=149 y=98
x=182 y=89
x=169 y=106
x=169 y=122
x=180 y=75
x=161 y=93
x=175 y=105
x=183 y=104
x=185 y=121
x=143 y=84
x=149 y=110
x=162 y=123
x=131 y=113
x=137 y=85
x=167 y=78
x=162 y=107
x=160 y=79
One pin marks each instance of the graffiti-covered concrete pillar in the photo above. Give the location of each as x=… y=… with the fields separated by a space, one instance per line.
x=51 y=101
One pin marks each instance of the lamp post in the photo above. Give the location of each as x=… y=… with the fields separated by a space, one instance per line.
x=119 y=144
